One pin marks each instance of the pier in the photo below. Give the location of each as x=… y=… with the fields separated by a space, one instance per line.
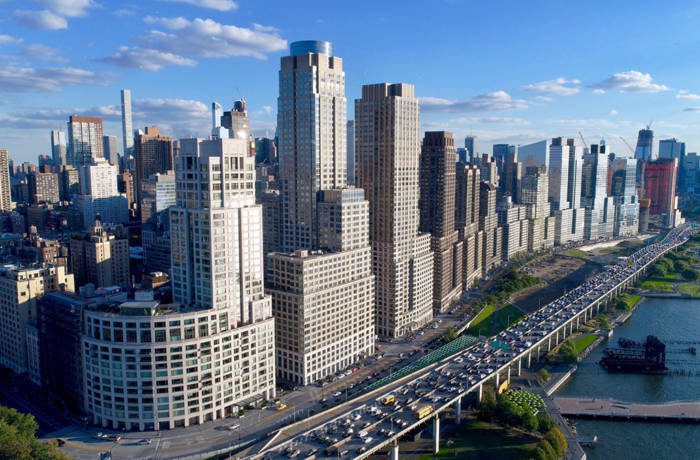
x=683 y=412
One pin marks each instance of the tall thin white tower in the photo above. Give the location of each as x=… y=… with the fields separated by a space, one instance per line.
x=127 y=127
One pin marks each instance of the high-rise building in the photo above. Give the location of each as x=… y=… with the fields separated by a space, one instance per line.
x=84 y=140
x=20 y=287
x=153 y=153
x=512 y=219
x=43 y=187
x=311 y=127
x=535 y=155
x=58 y=147
x=100 y=196
x=387 y=153
x=599 y=220
x=471 y=153
x=645 y=146
x=624 y=192
x=5 y=188
x=216 y=114
x=534 y=193
x=350 y=136
x=265 y=150
x=488 y=224
x=111 y=149
x=510 y=172
x=467 y=198
x=100 y=257
x=236 y=121
x=324 y=300
x=565 y=171
x=125 y=186
x=157 y=196
x=127 y=126
x=660 y=187
x=672 y=148
x=69 y=180
x=437 y=215
x=489 y=170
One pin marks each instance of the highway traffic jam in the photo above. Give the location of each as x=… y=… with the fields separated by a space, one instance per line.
x=369 y=426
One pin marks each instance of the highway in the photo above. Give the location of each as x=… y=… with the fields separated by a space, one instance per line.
x=376 y=421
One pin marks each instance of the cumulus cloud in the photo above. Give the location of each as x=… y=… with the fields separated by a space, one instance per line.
x=15 y=79
x=629 y=81
x=180 y=41
x=218 y=5
x=146 y=59
x=489 y=102
x=687 y=95
x=559 y=86
x=45 y=53
x=42 y=19
x=9 y=40
x=69 y=8
x=613 y=112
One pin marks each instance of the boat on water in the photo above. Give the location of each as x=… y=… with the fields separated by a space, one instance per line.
x=648 y=357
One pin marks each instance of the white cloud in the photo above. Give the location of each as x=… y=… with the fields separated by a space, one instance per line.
x=146 y=59
x=692 y=109
x=218 y=5
x=629 y=81
x=489 y=102
x=27 y=79
x=185 y=40
x=43 y=19
x=613 y=112
x=69 y=8
x=45 y=53
x=9 y=40
x=122 y=12
x=687 y=95
x=559 y=86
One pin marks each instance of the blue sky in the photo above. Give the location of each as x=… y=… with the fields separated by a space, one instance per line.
x=506 y=71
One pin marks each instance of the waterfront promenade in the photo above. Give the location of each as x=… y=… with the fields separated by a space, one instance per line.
x=684 y=412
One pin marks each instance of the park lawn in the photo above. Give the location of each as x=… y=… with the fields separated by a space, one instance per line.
x=653 y=284
x=631 y=300
x=583 y=342
x=479 y=440
x=506 y=317
x=476 y=326
x=576 y=253
x=692 y=289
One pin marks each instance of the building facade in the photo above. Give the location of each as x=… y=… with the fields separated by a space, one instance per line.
x=84 y=140
x=387 y=154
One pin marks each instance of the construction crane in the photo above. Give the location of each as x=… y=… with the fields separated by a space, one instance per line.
x=627 y=144
x=585 y=144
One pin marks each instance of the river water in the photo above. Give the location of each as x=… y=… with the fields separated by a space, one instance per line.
x=668 y=319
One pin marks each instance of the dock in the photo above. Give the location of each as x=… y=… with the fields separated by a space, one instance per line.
x=675 y=412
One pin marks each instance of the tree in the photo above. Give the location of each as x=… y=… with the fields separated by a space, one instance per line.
x=549 y=449
x=540 y=454
x=545 y=422
x=450 y=334
x=530 y=422
x=544 y=375
x=555 y=442
x=689 y=274
x=18 y=441
x=567 y=352
x=603 y=322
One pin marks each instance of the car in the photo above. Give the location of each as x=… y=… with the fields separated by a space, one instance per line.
x=337 y=393
x=144 y=442
x=281 y=406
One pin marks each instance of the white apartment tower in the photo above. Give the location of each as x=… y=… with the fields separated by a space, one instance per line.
x=565 y=171
x=99 y=194
x=599 y=208
x=127 y=126
x=387 y=152
x=311 y=127
x=5 y=187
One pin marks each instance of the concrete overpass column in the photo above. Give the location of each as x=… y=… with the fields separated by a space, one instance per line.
x=498 y=380
x=480 y=393
x=509 y=374
x=436 y=434
x=395 y=451
x=577 y=322
x=458 y=411
x=520 y=365
x=549 y=344
x=529 y=357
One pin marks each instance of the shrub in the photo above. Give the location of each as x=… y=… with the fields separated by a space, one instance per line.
x=544 y=375
x=544 y=422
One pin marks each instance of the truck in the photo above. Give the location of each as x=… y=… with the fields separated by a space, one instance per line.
x=423 y=412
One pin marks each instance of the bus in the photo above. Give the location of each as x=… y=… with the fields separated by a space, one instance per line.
x=389 y=399
x=423 y=412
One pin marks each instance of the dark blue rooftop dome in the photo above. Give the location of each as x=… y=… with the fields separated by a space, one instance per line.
x=311 y=46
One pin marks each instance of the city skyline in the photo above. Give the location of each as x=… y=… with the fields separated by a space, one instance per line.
x=41 y=86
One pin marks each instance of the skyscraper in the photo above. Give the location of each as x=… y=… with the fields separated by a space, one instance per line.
x=672 y=148
x=488 y=224
x=350 y=136
x=99 y=195
x=624 y=192
x=127 y=126
x=43 y=187
x=535 y=188
x=565 y=170
x=5 y=188
x=236 y=121
x=437 y=215
x=111 y=151
x=645 y=145
x=387 y=153
x=311 y=125
x=467 y=197
x=215 y=115
x=153 y=154
x=85 y=140
x=470 y=145
x=100 y=257
x=58 y=147
x=599 y=208
x=660 y=187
